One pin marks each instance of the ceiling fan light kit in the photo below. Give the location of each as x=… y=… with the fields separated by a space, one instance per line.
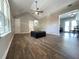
x=37 y=11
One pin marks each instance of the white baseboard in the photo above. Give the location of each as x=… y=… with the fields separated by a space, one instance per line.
x=22 y=33
x=5 y=54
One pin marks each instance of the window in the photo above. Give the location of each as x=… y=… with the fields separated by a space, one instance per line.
x=35 y=22
x=67 y=26
x=73 y=24
x=33 y=25
x=70 y=25
x=5 y=24
x=1 y=23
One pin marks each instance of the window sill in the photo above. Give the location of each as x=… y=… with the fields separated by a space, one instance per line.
x=2 y=35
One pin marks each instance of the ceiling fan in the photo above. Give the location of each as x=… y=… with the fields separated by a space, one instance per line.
x=37 y=11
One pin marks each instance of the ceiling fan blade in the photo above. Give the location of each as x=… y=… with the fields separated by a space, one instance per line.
x=37 y=11
x=40 y=11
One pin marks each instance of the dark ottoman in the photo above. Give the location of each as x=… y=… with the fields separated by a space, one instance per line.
x=38 y=34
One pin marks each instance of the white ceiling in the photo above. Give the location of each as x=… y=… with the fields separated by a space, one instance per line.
x=20 y=6
x=69 y=14
x=48 y=6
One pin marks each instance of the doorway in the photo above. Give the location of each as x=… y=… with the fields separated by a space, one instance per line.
x=69 y=23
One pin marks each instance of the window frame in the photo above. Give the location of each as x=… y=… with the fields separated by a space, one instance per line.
x=7 y=19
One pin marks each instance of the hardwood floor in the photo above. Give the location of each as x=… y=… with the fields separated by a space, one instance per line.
x=50 y=47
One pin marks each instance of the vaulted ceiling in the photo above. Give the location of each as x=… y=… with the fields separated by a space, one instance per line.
x=19 y=7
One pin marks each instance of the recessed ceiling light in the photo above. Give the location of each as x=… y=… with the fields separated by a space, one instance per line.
x=74 y=13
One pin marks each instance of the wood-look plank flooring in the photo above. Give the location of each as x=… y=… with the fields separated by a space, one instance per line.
x=50 y=47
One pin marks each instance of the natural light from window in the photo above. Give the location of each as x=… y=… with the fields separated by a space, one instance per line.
x=5 y=24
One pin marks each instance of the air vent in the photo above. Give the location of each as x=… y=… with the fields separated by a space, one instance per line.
x=69 y=5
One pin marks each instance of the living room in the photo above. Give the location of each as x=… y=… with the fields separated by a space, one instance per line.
x=30 y=29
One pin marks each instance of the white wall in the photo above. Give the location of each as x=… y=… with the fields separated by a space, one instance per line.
x=50 y=24
x=22 y=23
x=17 y=25
x=5 y=42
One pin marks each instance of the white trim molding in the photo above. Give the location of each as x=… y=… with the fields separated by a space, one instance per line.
x=6 y=52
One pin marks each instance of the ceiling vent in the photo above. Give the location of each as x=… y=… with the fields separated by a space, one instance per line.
x=70 y=5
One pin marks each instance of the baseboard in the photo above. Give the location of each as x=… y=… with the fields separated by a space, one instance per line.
x=22 y=33
x=4 y=56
